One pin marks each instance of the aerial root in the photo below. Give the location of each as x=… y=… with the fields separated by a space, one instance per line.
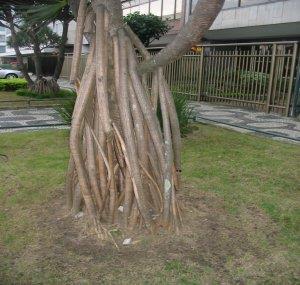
x=123 y=164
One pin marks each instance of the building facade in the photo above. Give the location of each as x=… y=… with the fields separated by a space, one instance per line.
x=2 y=40
x=239 y=20
x=168 y=9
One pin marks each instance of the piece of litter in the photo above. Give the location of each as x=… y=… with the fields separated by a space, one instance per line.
x=127 y=241
x=79 y=215
x=121 y=209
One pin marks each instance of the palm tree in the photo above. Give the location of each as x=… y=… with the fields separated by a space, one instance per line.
x=123 y=167
x=30 y=18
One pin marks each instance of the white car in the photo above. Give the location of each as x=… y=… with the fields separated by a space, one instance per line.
x=10 y=73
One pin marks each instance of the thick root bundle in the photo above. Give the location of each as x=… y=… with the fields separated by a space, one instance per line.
x=124 y=167
x=43 y=85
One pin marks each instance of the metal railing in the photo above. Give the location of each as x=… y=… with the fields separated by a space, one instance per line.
x=259 y=76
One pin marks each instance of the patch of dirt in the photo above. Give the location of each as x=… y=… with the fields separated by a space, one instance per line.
x=212 y=243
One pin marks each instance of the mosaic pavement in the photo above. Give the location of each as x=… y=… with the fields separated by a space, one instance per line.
x=272 y=125
x=29 y=118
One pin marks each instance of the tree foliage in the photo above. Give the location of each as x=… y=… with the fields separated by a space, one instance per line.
x=147 y=27
x=28 y=22
x=45 y=37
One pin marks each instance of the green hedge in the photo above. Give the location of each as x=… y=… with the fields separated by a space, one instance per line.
x=62 y=93
x=12 y=84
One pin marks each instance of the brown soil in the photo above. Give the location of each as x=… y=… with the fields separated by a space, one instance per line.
x=211 y=248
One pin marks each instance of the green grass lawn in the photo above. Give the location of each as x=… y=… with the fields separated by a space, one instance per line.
x=241 y=217
x=10 y=95
x=23 y=101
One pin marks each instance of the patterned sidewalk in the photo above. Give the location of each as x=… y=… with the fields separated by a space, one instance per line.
x=271 y=125
x=29 y=119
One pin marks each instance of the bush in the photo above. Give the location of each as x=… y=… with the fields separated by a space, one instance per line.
x=66 y=110
x=62 y=93
x=147 y=27
x=12 y=84
x=184 y=113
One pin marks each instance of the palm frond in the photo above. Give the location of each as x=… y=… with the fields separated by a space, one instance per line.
x=45 y=12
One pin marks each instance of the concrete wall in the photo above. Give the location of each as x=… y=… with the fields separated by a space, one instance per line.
x=57 y=28
x=279 y=12
x=256 y=15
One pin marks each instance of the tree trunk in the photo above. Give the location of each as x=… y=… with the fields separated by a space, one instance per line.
x=20 y=62
x=41 y=85
x=81 y=13
x=36 y=55
x=126 y=167
x=61 y=51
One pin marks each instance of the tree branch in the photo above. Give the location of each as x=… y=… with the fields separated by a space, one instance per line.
x=199 y=22
x=23 y=68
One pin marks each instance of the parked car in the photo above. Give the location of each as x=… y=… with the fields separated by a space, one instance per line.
x=10 y=73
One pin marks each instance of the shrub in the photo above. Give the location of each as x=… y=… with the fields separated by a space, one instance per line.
x=12 y=84
x=66 y=110
x=147 y=27
x=184 y=113
x=62 y=93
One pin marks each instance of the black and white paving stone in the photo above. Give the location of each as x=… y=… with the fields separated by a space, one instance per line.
x=29 y=118
x=247 y=121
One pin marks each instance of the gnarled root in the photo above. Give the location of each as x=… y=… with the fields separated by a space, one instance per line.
x=43 y=85
x=126 y=167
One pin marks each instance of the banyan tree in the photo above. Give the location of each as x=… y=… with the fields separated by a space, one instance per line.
x=124 y=165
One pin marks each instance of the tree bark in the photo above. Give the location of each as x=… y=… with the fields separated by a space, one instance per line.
x=126 y=167
x=203 y=16
x=20 y=62
x=78 y=41
x=62 y=50
x=37 y=54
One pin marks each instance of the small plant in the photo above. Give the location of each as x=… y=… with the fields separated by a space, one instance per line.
x=184 y=113
x=12 y=84
x=66 y=110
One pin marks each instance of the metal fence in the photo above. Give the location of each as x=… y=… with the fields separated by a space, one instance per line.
x=260 y=76
x=66 y=69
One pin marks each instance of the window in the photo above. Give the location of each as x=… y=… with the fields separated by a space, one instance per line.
x=253 y=2
x=2 y=49
x=132 y=6
x=2 y=29
x=170 y=9
x=178 y=9
x=242 y=3
x=228 y=4
x=155 y=7
x=231 y=4
x=2 y=38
